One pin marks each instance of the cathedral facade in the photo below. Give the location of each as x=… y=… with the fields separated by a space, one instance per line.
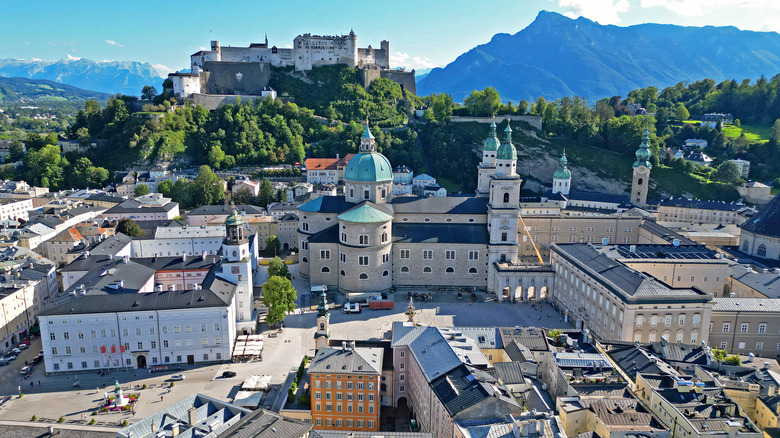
x=368 y=241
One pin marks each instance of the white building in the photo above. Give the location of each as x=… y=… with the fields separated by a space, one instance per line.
x=178 y=241
x=138 y=330
x=695 y=143
x=148 y=207
x=421 y=181
x=15 y=209
x=244 y=184
x=402 y=175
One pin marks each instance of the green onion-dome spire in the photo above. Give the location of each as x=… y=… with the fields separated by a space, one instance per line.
x=507 y=150
x=563 y=171
x=234 y=219
x=322 y=308
x=491 y=142
x=643 y=154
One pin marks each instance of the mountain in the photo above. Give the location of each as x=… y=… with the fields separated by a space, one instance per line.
x=556 y=56
x=17 y=89
x=126 y=77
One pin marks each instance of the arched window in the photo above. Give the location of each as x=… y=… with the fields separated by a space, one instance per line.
x=472 y=270
x=325 y=270
x=404 y=269
x=363 y=276
x=427 y=270
x=385 y=274
x=639 y=182
x=745 y=246
x=343 y=274
x=305 y=260
x=761 y=251
x=450 y=270
x=506 y=198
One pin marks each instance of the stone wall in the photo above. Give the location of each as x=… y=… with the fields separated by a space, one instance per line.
x=403 y=78
x=247 y=78
x=535 y=121
x=212 y=101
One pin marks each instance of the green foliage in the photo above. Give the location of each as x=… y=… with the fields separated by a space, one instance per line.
x=206 y=188
x=719 y=354
x=281 y=195
x=304 y=399
x=45 y=167
x=728 y=173
x=16 y=151
x=129 y=227
x=279 y=296
x=272 y=244
x=776 y=183
x=483 y=103
x=266 y=193
x=61 y=420
x=148 y=92
x=140 y=190
x=734 y=359
x=776 y=132
x=34 y=418
x=681 y=113
x=243 y=196
x=278 y=268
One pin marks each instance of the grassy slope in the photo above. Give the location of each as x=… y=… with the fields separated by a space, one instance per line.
x=753 y=133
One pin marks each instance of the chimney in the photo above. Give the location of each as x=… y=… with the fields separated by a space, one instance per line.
x=175 y=429
x=159 y=288
x=766 y=366
x=732 y=428
x=193 y=416
x=344 y=345
x=172 y=288
x=352 y=345
x=771 y=391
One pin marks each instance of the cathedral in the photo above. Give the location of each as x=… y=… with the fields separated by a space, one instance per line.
x=367 y=241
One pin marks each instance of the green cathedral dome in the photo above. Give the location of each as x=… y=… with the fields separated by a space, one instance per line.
x=491 y=142
x=507 y=150
x=368 y=167
x=563 y=171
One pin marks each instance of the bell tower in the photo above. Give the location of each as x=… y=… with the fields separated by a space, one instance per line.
x=322 y=335
x=504 y=205
x=562 y=176
x=642 y=166
x=488 y=165
x=237 y=269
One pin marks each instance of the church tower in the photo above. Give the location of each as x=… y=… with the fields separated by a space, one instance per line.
x=237 y=269
x=322 y=335
x=562 y=176
x=642 y=166
x=368 y=175
x=504 y=204
x=488 y=165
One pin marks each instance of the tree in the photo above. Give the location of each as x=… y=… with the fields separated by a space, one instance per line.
x=483 y=103
x=242 y=197
x=273 y=244
x=279 y=296
x=728 y=173
x=776 y=183
x=148 y=92
x=128 y=227
x=522 y=107
x=555 y=334
x=681 y=113
x=278 y=268
x=776 y=132
x=140 y=190
x=734 y=359
x=266 y=195
x=281 y=195
x=16 y=151
x=206 y=188
x=719 y=354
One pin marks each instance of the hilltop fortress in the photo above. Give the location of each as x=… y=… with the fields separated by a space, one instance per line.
x=226 y=70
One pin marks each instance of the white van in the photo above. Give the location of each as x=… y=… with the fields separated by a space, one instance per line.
x=352 y=308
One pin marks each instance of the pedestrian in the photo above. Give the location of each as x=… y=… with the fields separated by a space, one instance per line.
x=39 y=383
x=32 y=384
x=161 y=398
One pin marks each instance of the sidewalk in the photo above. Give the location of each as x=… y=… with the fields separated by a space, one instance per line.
x=59 y=426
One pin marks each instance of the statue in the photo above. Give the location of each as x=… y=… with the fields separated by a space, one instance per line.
x=410 y=311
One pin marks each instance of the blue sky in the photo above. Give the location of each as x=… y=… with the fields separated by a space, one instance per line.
x=421 y=33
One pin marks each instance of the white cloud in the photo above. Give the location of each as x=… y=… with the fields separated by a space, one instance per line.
x=73 y=58
x=113 y=43
x=26 y=43
x=400 y=59
x=698 y=8
x=602 y=11
x=36 y=59
x=203 y=48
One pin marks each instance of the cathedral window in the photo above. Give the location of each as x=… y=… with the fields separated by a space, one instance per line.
x=363 y=239
x=472 y=270
x=506 y=198
x=404 y=269
x=363 y=276
x=761 y=252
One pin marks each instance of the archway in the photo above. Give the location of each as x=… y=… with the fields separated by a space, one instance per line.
x=141 y=362
x=505 y=295
x=532 y=293
x=544 y=293
x=286 y=246
x=518 y=293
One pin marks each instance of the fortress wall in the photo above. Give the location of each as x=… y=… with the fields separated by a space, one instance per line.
x=535 y=121
x=234 y=77
x=403 y=78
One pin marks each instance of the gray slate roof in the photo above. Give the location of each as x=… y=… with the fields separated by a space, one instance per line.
x=509 y=372
x=338 y=360
x=267 y=424
x=765 y=283
x=767 y=221
x=217 y=210
x=35 y=430
x=440 y=205
x=460 y=390
x=745 y=305
x=429 y=347
x=698 y=204
x=474 y=234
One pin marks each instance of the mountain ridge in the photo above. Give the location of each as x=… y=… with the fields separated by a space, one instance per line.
x=125 y=77
x=556 y=56
x=18 y=89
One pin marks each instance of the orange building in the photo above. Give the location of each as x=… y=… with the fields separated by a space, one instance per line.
x=345 y=388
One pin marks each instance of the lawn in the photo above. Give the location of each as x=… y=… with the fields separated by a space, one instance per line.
x=753 y=133
x=449 y=184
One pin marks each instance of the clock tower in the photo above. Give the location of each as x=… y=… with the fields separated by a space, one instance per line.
x=322 y=335
x=237 y=269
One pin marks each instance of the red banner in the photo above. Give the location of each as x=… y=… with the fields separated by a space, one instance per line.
x=121 y=348
x=113 y=348
x=103 y=349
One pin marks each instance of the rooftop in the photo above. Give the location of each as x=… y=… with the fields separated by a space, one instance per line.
x=440 y=233
x=359 y=360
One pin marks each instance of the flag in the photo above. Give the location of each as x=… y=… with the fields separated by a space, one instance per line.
x=113 y=349
x=121 y=348
x=103 y=349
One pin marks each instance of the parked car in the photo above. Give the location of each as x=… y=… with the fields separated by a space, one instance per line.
x=9 y=357
x=352 y=308
x=16 y=351
x=27 y=343
x=4 y=362
x=22 y=346
x=35 y=360
x=25 y=370
x=177 y=377
x=228 y=374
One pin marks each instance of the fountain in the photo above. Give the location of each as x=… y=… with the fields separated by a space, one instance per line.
x=119 y=399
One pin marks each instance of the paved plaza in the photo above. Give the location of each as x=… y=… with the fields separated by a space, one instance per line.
x=56 y=397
